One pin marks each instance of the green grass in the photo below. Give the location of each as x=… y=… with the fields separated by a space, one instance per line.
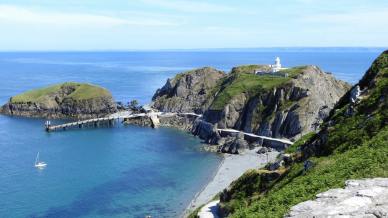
x=87 y=91
x=366 y=161
x=242 y=80
x=294 y=72
x=355 y=147
x=81 y=91
x=250 y=68
x=249 y=84
x=294 y=147
x=194 y=213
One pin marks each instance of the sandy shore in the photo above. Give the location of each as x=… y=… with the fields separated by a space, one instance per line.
x=231 y=168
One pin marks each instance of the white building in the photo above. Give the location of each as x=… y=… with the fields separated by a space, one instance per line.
x=274 y=68
x=277 y=66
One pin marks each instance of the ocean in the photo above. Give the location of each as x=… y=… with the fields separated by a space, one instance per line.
x=122 y=171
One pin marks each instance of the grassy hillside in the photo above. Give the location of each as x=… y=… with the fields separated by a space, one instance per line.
x=352 y=144
x=81 y=91
x=242 y=80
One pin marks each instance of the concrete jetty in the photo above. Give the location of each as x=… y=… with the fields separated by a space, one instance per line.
x=110 y=119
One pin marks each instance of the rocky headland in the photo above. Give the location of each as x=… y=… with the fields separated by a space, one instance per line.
x=351 y=144
x=188 y=91
x=287 y=105
x=66 y=100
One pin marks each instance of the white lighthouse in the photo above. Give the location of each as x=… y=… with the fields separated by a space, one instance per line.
x=273 y=69
x=277 y=66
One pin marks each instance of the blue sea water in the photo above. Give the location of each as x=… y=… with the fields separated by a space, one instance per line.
x=121 y=171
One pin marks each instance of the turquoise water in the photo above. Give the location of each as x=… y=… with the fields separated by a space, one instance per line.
x=106 y=172
x=121 y=171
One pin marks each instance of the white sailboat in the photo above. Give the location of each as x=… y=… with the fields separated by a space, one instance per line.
x=39 y=164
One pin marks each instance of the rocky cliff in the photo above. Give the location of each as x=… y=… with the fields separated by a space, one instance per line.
x=66 y=100
x=350 y=144
x=188 y=92
x=362 y=112
x=289 y=108
x=286 y=105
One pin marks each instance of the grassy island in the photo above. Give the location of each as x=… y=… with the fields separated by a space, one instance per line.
x=75 y=91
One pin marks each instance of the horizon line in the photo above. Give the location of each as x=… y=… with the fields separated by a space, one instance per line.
x=209 y=49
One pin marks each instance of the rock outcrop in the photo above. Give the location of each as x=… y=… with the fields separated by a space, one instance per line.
x=289 y=110
x=364 y=103
x=179 y=121
x=287 y=105
x=350 y=144
x=188 y=92
x=67 y=100
x=359 y=198
x=234 y=145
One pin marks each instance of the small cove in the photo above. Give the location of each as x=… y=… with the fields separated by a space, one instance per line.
x=120 y=171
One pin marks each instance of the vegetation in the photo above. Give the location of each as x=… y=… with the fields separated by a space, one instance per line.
x=249 y=84
x=368 y=160
x=194 y=213
x=293 y=72
x=297 y=145
x=79 y=91
x=250 y=68
x=355 y=148
x=133 y=104
x=242 y=80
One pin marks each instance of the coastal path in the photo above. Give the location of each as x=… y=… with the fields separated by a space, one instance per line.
x=283 y=141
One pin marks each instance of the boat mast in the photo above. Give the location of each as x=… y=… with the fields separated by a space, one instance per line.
x=37 y=158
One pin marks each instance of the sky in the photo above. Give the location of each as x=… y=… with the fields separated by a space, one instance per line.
x=188 y=24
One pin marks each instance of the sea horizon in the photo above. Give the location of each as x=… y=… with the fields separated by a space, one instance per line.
x=226 y=49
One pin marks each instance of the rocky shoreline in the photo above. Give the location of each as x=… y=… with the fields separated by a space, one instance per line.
x=262 y=104
x=293 y=107
x=66 y=100
x=203 y=102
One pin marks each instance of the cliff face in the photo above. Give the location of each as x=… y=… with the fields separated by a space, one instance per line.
x=62 y=101
x=362 y=111
x=351 y=144
x=287 y=110
x=188 y=92
x=275 y=106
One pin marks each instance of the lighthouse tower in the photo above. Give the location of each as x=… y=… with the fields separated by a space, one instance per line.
x=277 y=66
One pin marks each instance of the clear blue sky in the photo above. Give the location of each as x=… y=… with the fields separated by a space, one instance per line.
x=175 y=24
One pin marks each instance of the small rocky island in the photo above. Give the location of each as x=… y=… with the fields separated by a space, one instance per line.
x=65 y=100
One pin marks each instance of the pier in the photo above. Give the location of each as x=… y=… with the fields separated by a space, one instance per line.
x=154 y=117
x=109 y=120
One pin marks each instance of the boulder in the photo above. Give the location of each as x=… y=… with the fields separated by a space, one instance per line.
x=234 y=145
x=359 y=198
x=262 y=150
